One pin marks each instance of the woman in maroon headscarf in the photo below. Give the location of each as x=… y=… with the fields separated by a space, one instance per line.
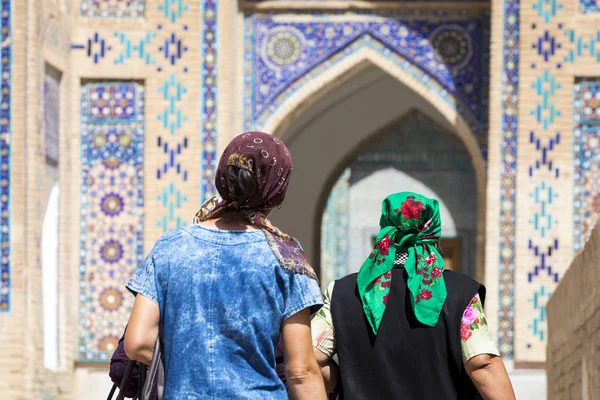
x=227 y=289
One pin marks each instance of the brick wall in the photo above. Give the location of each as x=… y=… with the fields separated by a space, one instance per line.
x=573 y=353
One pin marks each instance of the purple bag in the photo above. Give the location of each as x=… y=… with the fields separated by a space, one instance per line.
x=118 y=366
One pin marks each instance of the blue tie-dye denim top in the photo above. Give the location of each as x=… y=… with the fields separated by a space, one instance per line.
x=223 y=296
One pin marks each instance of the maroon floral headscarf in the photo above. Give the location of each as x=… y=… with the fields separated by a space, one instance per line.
x=269 y=160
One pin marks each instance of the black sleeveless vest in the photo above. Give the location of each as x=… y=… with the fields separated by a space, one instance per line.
x=406 y=360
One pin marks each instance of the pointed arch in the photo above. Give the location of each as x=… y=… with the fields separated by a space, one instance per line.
x=301 y=95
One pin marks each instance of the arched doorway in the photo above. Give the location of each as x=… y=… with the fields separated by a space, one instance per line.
x=335 y=120
x=411 y=154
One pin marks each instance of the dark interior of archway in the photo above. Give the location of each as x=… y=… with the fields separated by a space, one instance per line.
x=423 y=151
x=329 y=130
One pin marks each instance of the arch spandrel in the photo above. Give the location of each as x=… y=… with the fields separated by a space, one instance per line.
x=286 y=55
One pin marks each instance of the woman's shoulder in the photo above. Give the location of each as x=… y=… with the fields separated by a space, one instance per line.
x=173 y=236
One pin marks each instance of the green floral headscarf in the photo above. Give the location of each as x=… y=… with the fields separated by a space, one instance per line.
x=409 y=223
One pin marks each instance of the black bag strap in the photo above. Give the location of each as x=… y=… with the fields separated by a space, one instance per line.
x=124 y=382
x=112 y=392
x=155 y=375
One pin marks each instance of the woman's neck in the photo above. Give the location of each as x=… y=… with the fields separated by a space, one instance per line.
x=231 y=221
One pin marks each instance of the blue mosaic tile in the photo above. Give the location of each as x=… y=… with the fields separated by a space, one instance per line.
x=586 y=146
x=583 y=46
x=95 y=48
x=508 y=172
x=112 y=218
x=445 y=50
x=208 y=115
x=538 y=301
x=172 y=117
x=587 y=103
x=546 y=111
x=172 y=199
x=173 y=10
x=547 y=9
x=543 y=197
x=111 y=103
x=589 y=6
x=130 y=49
x=5 y=152
x=544 y=150
x=282 y=56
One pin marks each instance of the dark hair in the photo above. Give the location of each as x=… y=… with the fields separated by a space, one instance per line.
x=241 y=184
x=438 y=246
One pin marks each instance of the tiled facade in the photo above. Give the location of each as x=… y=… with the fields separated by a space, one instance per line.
x=554 y=94
x=200 y=71
x=446 y=47
x=112 y=212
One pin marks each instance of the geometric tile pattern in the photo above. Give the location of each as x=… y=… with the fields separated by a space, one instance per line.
x=589 y=6
x=540 y=260
x=445 y=48
x=208 y=102
x=538 y=301
x=543 y=256
x=173 y=9
x=544 y=153
x=96 y=47
x=113 y=8
x=542 y=220
x=112 y=218
x=545 y=87
x=586 y=113
x=556 y=46
x=547 y=9
x=508 y=175
x=5 y=150
x=163 y=50
x=140 y=48
x=582 y=46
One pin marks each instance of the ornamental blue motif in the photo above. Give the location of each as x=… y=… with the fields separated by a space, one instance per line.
x=590 y=6
x=5 y=152
x=450 y=50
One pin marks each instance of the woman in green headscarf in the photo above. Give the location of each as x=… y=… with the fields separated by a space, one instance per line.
x=404 y=327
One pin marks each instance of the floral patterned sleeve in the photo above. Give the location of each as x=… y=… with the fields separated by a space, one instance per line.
x=323 y=335
x=474 y=335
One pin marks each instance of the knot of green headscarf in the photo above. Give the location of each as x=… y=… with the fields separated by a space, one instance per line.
x=409 y=223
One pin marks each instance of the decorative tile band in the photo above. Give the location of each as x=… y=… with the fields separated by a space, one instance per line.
x=589 y=6
x=113 y=8
x=164 y=52
x=208 y=112
x=586 y=115
x=112 y=218
x=5 y=151
x=508 y=170
x=450 y=50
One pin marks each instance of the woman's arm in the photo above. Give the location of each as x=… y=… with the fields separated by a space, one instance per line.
x=329 y=371
x=301 y=370
x=490 y=377
x=142 y=330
